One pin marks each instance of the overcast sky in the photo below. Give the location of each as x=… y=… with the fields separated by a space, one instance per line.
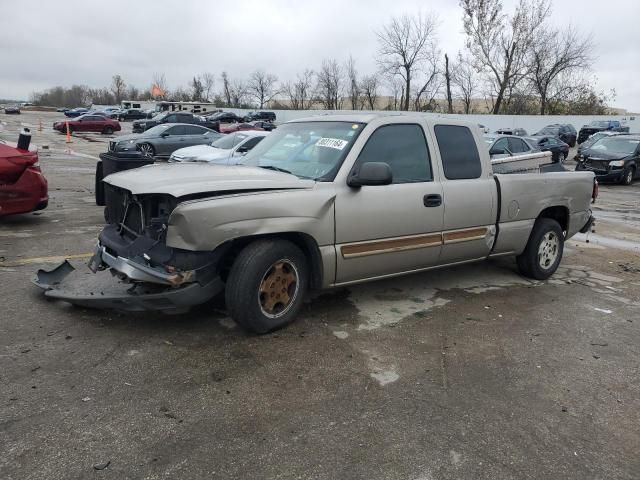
x=46 y=43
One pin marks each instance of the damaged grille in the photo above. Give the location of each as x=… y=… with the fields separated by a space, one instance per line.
x=597 y=164
x=138 y=215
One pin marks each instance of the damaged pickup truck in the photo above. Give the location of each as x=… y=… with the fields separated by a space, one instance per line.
x=322 y=202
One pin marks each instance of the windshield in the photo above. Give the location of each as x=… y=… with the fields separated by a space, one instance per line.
x=595 y=137
x=306 y=149
x=625 y=146
x=599 y=124
x=158 y=129
x=229 y=141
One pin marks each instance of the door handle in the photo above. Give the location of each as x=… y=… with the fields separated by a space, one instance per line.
x=433 y=200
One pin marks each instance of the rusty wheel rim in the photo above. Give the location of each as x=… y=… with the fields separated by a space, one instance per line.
x=278 y=288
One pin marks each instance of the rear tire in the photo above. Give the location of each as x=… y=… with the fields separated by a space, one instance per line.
x=266 y=285
x=629 y=174
x=544 y=249
x=108 y=130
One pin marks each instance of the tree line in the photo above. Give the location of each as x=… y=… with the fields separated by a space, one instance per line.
x=513 y=63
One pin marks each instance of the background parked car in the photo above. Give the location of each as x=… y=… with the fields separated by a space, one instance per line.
x=268 y=126
x=507 y=145
x=518 y=132
x=221 y=118
x=131 y=114
x=238 y=127
x=140 y=126
x=75 y=112
x=613 y=159
x=593 y=139
x=23 y=188
x=12 y=109
x=559 y=150
x=598 y=126
x=162 y=140
x=565 y=132
x=267 y=116
x=226 y=150
x=89 y=123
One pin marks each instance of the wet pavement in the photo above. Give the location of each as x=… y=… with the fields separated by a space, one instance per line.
x=472 y=372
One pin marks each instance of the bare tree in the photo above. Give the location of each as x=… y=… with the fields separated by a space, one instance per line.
x=554 y=53
x=226 y=90
x=159 y=88
x=208 y=81
x=133 y=93
x=262 y=87
x=369 y=87
x=464 y=79
x=300 y=92
x=404 y=44
x=447 y=77
x=354 y=86
x=196 y=89
x=329 y=82
x=500 y=43
x=118 y=88
x=431 y=85
x=396 y=86
x=238 y=93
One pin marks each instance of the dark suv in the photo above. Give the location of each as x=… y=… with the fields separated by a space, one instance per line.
x=565 y=132
x=264 y=116
x=131 y=114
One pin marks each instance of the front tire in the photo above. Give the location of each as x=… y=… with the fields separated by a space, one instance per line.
x=266 y=285
x=629 y=174
x=147 y=150
x=543 y=252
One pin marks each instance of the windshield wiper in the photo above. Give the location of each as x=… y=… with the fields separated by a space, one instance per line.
x=277 y=169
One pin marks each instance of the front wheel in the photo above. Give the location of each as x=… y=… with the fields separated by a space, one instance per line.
x=627 y=178
x=147 y=150
x=544 y=249
x=266 y=285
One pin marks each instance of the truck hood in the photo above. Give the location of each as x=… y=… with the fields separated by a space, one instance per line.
x=178 y=179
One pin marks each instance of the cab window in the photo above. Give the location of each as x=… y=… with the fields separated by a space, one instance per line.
x=459 y=152
x=404 y=148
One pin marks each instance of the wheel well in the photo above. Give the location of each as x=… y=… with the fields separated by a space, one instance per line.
x=559 y=214
x=305 y=242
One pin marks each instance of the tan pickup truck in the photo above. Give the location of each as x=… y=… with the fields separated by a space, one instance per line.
x=322 y=202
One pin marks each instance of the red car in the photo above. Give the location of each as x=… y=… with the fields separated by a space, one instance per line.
x=89 y=122
x=23 y=188
x=238 y=127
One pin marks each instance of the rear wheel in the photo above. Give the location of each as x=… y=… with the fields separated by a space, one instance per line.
x=544 y=249
x=629 y=174
x=147 y=150
x=108 y=130
x=266 y=285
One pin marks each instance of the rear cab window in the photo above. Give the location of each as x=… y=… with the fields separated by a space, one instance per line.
x=458 y=151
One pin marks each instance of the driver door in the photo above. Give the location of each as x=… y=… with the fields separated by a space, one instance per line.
x=389 y=229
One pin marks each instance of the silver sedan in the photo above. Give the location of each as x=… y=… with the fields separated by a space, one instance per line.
x=161 y=141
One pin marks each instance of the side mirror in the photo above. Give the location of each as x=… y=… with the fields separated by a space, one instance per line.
x=164 y=134
x=371 y=173
x=497 y=151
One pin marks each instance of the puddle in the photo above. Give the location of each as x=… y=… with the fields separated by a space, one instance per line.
x=599 y=240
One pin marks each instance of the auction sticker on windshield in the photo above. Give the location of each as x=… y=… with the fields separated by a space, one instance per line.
x=336 y=143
